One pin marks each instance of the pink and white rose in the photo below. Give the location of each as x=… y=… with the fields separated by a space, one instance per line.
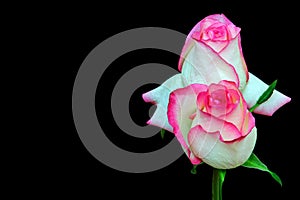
x=206 y=105
x=219 y=36
x=213 y=124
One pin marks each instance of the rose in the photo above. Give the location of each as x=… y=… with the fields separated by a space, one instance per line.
x=216 y=31
x=213 y=124
x=219 y=34
x=215 y=40
x=211 y=56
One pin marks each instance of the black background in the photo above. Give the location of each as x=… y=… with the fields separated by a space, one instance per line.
x=65 y=35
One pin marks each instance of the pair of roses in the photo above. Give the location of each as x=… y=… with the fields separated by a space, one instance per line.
x=207 y=105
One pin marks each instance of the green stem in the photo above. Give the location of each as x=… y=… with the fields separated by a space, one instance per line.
x=217 y=182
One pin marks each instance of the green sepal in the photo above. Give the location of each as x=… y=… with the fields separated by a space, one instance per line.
x=194 y=169
x=162 y=133
x=255 y=163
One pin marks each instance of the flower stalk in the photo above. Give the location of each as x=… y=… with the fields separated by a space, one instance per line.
x=217 y=183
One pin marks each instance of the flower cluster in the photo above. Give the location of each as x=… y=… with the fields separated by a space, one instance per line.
x=207 y=104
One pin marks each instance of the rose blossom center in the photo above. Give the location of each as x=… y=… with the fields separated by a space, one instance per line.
x=217 y=100
x=215 y=33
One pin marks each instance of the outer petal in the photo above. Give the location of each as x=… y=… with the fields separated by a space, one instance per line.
x=188 y=45
x=254 y=89
x=228 y=131
x=203 y=65
x=182 y=105
x=217 y=46
x=160 y=97
x=209 y=148
x=233 y=55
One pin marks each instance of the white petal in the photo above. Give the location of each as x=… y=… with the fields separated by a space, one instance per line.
x=203 y=65
x=160 y=97
x=208 y=147
x=233 y=55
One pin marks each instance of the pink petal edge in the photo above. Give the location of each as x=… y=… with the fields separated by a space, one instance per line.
x=175 y=115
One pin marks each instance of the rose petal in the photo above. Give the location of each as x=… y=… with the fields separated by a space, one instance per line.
x=217 y=102
x=160 y=97
x=255 y=88
x=220 y=18
x=233 y=30
x=208 y=147
x=239 y=116
x=182 y=105
x=229 y=84
x=233 y=55
x=188 y=45
x=190 y=42
x=248 y=124
x=203 y=65
x=236 y=116
x=217 y=46
x=228 y=131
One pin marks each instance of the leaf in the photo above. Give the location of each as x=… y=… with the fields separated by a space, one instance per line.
x=265 y=96
x=268 y=93
x=255 y=163
x=162 y=133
